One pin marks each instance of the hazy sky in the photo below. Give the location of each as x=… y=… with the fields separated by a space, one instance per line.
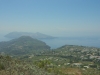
x=52 y=17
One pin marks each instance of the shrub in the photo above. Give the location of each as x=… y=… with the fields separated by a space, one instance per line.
x=2 y=66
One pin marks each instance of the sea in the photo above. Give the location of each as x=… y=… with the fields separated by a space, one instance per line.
x=61 y=41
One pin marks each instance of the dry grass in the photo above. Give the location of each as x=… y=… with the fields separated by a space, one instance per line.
x=71 y=71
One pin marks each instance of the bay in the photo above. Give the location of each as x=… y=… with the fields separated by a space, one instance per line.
x=61 y=41
x=58 y=42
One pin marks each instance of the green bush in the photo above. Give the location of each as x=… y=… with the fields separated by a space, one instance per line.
x=2 y=67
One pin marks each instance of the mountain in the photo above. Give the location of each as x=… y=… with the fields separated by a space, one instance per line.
x=23 y=45
x=33 y=35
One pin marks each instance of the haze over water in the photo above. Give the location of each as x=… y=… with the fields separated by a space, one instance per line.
x=61 y=41
x=58 y=42
x=61 y=18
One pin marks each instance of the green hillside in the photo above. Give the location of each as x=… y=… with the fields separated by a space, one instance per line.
x=23 y=45
x=34 y=55
x=71 y=60
x=13 y=66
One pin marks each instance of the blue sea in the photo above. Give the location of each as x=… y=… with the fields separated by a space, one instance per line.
x=58 y=42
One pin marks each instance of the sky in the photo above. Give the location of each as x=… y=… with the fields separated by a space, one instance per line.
x=52 y=17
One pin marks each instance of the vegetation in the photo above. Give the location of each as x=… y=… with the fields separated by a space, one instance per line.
x=72 y=60
x=23 y=45
x=12 y=66
x=36 y=58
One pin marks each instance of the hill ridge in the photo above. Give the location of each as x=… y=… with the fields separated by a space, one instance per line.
x=23 y=45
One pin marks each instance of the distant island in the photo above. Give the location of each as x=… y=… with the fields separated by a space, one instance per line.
x=36 y=35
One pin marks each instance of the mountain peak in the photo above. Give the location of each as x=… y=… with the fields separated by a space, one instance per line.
x=25 y=37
